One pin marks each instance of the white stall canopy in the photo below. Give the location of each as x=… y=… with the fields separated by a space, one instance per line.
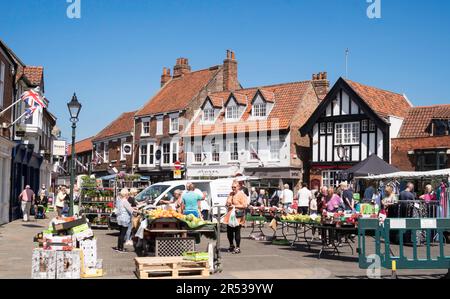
x=443 y=173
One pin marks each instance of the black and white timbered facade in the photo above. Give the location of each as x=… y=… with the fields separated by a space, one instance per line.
x=348 y=126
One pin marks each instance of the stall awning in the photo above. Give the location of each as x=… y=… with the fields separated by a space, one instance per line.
x=442 y=173
x=373 y=165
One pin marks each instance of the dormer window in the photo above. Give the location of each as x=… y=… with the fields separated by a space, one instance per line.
x=259 y=110
x=208 y=115
x=440 y=127
x=232 y=112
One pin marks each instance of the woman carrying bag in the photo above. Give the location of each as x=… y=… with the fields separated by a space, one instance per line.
x=236 y=204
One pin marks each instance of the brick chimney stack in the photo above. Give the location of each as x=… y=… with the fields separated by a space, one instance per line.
x=182 y=67
x=165 y=77
x=230 y=72
x=321 y=84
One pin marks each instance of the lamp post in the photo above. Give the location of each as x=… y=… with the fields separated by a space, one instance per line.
x=74 y=109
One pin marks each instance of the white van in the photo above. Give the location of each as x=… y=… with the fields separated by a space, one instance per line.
x=217 y=190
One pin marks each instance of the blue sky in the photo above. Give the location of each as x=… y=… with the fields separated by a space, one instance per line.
x=113 y=56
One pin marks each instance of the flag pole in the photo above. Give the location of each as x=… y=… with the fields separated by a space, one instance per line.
x=20 y=117
x=9 y=107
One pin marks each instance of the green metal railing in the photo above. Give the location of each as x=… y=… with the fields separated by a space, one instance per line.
x=429 y=230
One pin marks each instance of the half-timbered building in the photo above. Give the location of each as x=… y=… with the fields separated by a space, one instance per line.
x=353 y=122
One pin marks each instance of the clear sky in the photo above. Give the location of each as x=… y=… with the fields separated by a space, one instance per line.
x=113 y=56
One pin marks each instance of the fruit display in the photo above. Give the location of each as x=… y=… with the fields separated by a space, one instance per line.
x=191 y=221
x=157 y=214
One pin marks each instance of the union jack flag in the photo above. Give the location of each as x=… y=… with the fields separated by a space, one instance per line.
x=34 y=99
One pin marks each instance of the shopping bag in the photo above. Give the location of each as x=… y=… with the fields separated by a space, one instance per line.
x=273 y=224
x=233 y=221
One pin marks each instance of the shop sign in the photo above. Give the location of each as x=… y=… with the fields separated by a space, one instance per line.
x=210 y=172
x=59 y=147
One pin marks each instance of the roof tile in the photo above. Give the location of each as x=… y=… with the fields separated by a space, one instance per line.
x=123 y=124
x=419 y=118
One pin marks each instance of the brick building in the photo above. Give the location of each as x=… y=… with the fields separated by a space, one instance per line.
x=108 y=146
x=161 y=120
x=424 y=139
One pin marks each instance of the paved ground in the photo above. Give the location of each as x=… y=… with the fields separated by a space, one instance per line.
x=259 y=259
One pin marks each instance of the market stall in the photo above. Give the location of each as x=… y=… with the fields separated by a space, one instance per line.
x=167 y=233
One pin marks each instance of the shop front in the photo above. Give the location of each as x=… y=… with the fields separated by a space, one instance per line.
x=26 y=167
x=274 y=177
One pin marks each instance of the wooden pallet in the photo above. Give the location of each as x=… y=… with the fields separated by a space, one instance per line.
x=170 y=267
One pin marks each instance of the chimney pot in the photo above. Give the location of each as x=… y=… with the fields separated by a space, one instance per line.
x=233 y=57
x=228 y=54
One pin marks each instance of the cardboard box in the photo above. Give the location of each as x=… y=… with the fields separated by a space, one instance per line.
x=43 y=264
x=79 y=229
x=89 y=249
x=69 y=225
x=68 y=264
x=64 y=243
x=84 y=235
x=92 y=273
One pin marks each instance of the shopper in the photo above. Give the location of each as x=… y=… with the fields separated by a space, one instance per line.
x=237 y=200
x=191 y=201
x=334 y=201
x=347 y=197
x=322 y=200
x=389 y=199
x=26 y=197
x=429 y=194
x=43 y=189
x=253 y=196
x=262 y=198
x=368 y=193
x=408 y=193
x=133 y=204
x=276 y=196
x=61 y=199
x=40 y=205
x=76 y=200
x=313 y=208
x=205 y=207
x=124 y=212
x=287 y=197
x=304 y=196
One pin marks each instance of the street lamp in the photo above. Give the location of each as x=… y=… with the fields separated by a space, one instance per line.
x=74 y=109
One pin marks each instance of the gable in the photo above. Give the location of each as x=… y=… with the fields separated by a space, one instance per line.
x=342 y=100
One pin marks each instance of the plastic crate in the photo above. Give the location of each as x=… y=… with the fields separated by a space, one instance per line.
x=173 y=246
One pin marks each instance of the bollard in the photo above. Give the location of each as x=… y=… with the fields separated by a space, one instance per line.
x=394 y=270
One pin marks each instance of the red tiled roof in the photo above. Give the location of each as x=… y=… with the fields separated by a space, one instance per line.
x=419 y=118
x=34 y=74
x=123 y=124
x=383 y=102
x=178 y=92
x=286 y=99
x=82 y=146
x=216 y=101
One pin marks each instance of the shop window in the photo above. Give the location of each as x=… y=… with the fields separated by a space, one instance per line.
x=431 y=160
x=328 y=178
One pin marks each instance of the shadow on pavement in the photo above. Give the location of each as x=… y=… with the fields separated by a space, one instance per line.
x=32 y=225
